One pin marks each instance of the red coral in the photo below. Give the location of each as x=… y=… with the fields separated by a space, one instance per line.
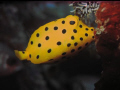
x=108 y=45
x=111 y=11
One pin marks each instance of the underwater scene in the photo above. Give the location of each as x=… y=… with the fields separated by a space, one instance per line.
x=60 y=45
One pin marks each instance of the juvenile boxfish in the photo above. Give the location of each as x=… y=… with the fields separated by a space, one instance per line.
x=57 y=40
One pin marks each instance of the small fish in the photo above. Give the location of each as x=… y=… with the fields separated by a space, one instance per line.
x=57 y=40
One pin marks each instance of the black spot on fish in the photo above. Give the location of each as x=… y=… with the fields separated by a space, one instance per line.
x=55 y=28
x=30 y=55
x=92 y=36
x=72 y=37
x=75 y=44
x=58 y=43
x=72 y=22
x=75 y=31
x=46 y=28
x=80 y=26
x=86 y=29
x=23 y=52
x=79 y=48
x=37 y=56
x=86 y=34
x=72 y=50
x=86 y=44
x=63 y=22
x=39 y=44
x=31 y=42
x=49 y=50
x=64 y=53
x=64 y=31
x=47 y=37
x=37 y=35
x=68 y=45
x=81 y=38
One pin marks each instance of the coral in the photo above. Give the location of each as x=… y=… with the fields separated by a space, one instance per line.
x=107 y=40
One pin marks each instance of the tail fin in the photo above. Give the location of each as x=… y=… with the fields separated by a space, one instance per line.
x=22 y=55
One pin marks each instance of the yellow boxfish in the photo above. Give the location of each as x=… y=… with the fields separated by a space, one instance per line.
x=57 y=40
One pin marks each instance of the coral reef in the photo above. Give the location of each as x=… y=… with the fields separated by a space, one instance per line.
x=107 y=43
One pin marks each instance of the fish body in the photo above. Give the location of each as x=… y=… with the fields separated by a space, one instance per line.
x=57 y=40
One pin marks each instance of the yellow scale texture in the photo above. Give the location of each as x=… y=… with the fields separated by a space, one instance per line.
x=56 y=40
